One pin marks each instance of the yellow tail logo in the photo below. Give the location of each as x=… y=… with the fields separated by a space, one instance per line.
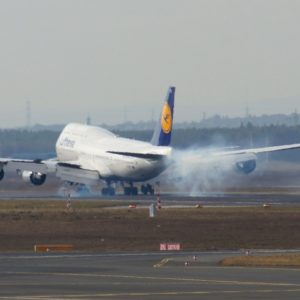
x=166 y=119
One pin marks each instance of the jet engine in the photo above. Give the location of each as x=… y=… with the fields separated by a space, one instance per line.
x=1 y=174
x=35 y=178
x=246 y=167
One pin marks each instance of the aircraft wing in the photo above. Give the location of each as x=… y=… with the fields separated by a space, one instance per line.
x=37 y=165
x=243 y=160
x=75 y=172
x=259 y=150
x=71 y=171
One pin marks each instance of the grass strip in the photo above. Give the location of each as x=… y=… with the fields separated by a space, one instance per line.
x=282 y=260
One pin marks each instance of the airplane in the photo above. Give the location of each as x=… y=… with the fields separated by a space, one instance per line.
x=88 y=154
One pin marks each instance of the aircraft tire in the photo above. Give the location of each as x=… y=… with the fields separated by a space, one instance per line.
x=108 y=191
x=130 y=191
x=144 y=189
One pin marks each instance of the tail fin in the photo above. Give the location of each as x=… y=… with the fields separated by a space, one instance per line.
x=163 y=131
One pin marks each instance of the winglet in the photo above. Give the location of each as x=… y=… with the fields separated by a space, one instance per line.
x=163 y=131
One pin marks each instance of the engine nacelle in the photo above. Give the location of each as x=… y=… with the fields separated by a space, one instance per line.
x=35 y=178
x=246 y=167
x=1 y=174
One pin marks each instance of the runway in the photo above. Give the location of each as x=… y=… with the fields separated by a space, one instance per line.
x=206 y=199
x=140 y=275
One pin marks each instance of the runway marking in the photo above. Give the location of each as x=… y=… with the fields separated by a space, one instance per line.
x=162 y=263
x=156 y=278
x=182 y=253
x=145 y=294
x=46 y=256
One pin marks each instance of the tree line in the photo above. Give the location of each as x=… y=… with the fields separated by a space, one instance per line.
x=28 y=143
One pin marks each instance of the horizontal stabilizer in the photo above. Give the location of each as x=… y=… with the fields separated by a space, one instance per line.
x=139 y=155
x=68 y=165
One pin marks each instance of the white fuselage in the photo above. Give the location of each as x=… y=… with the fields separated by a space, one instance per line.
x=90 y=148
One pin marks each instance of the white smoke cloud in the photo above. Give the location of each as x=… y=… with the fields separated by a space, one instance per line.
x=199 y=171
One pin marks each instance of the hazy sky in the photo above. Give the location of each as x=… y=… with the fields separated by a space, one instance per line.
x=114 y=60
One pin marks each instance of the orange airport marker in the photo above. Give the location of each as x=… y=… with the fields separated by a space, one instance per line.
x=53 y=247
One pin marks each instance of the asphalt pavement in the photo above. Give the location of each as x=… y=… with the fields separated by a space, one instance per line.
x=140 y=275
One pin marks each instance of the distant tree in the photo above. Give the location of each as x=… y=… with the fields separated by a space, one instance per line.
x=23 y=142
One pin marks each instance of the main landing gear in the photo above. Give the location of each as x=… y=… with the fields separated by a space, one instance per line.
x=76 y=189
x=130 y=190
x=109 y=190
x=147 y=189
x=133 y=191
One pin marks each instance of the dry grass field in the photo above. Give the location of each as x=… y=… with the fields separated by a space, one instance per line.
x=97 y=226
x=283 y=260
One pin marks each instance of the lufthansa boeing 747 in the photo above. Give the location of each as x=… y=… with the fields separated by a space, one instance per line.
x=87 y=154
